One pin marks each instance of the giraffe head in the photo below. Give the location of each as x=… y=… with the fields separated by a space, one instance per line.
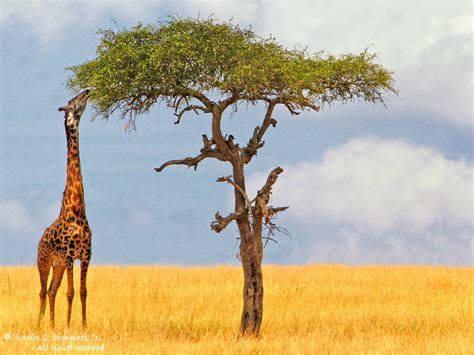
x=74 y=108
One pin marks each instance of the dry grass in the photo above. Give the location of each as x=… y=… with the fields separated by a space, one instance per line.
x=308 y=309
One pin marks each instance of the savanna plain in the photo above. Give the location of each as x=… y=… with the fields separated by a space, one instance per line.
x=307 y=310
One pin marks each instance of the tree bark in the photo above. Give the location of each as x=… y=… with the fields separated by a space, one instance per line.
x=251 y=255
x=251 y=251
x=250 y=215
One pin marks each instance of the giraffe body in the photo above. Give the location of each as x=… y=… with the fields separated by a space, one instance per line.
x=68 y=238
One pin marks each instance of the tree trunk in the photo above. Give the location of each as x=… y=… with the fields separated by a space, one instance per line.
x=252 y=313
x=251 y=251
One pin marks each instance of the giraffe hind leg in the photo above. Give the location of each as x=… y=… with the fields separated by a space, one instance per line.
x=58 y=272
x=70 y=289
x=83 y=291
x=44 y=266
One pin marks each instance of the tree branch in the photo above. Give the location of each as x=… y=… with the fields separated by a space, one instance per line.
x=271 y=180
x=256 y=142
x=206 y=152
x=274 y=210
x=203 y=98
x=217 y=136
x=312 y=106
x=222 y=222
x=272 y=229
x=267 y=121
x=229 y=100
x=263 y=196
x=291 y=109
x=238 y=188
x=189 y=161
x=189 y=108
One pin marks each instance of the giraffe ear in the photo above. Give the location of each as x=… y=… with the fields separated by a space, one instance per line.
x=62 y=108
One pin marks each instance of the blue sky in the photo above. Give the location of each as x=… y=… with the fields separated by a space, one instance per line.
x=365 y=184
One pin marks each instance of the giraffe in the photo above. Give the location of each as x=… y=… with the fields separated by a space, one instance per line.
x=69 y=237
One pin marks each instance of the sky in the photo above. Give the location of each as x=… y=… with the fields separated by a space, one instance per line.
x=366 y=184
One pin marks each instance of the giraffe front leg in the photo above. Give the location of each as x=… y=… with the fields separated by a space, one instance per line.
x=70 y=288
x=84 y=267
x=58 y=272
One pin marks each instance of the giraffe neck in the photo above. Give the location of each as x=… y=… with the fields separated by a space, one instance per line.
x=73 y=196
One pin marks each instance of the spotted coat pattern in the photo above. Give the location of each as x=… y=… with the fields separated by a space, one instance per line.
x=68 y=238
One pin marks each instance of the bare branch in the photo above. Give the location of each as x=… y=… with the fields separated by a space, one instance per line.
x=272 y=229
x=222 y=222
x=274 y=210
x=256 y=142
x=312 y=106
x=177 y=101
x=228 y=180
x=189 y=108
x=263 y=196
x=217 y=135
x=189 y=161
x=204 y=99
x=207 y=143
x=272 y=178
x=268 y=238
x=206 y=152
x=229 y=100
x=192 y=161
x=234 y=147
x=290 y=108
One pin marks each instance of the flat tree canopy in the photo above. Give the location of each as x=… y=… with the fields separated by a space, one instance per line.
x=189 y=63
x=181 y=59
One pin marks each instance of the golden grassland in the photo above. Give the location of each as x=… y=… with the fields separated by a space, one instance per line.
x=307 y=309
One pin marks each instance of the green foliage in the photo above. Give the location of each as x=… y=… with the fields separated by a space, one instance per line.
x=188 y=58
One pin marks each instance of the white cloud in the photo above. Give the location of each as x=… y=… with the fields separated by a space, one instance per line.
x=351 y=247
x=51 y=20
x=15 y=219
x=342 y=26
x=380 y=185
x=379 y=201
x=244 y=12
x=47 y=20
x=19 y=219
x=446 y=84
x=427 y=44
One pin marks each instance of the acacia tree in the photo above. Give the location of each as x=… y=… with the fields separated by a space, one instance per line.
x=210 y=67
